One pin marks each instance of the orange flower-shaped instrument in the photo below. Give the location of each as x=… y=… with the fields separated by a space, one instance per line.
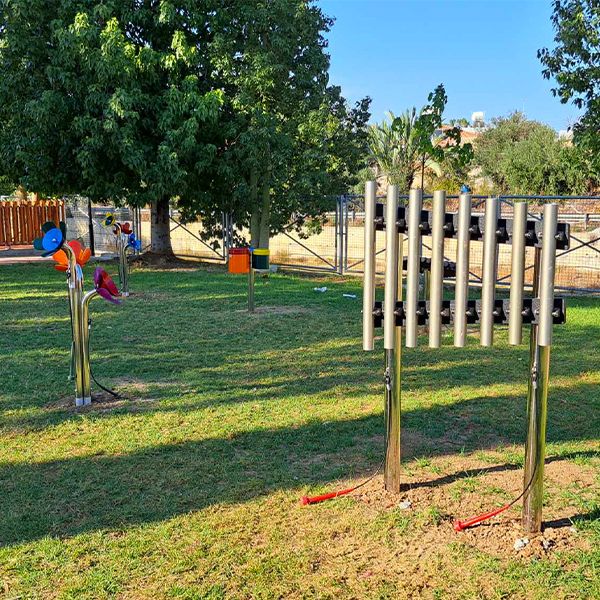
x=81 y=254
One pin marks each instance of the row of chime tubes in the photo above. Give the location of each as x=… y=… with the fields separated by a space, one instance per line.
x=489 y=271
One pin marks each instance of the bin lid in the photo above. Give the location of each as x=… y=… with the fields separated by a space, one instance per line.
x=238 y=251
x=261 y=252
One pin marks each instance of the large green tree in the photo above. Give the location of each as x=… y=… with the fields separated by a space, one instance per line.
x=208 y=105
x=287 y=138
x=575 y=64
x=108 y=99
x=417 y=141
x=521 y=156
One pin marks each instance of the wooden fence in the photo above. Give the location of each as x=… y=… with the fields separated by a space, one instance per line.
x=21 y=220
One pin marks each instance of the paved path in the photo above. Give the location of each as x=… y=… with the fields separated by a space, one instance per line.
x=20 y=254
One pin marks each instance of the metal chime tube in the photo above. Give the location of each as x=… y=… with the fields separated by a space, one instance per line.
x=413 y=266
x=75 y=292
x=517 y=274
x=462 y=270
x=391 y=267
x=489 y=271
x=85 y=346
x=369 y=275
x=547 y=268
x=436 y=281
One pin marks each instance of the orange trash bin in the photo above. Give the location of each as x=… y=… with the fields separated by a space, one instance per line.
x=239 y=260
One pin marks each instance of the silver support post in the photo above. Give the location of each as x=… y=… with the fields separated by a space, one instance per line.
x=75 y=283
x=85 y=346
x=462 y=270
x=537 y=410
x=436 y=283
x=517 y=274
x=489 y=272
x=369 y=274
x=413 y=266
x=393 y=395
x=391 y=267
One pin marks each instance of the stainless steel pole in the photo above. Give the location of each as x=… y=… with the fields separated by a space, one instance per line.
x=369 y=275
x=85 y=346
x=75 y=293
x=436 y=283
x=413 y=266
x=391 y=268
x=393 y=397
x=462 y=270
x=537 y=410
x=517 y=274
x=489 y=272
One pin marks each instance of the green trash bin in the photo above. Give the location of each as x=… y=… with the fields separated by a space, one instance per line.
x=260 y=259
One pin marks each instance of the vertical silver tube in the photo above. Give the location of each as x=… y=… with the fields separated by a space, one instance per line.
x=489 y=272
x=393 y=399
x=436 y=281
x=461 y=293
x=517 y=274
x=369 y=275
x=537 y=410
x=413 y=265
x=75 y=292
x=547 y=267
x=391 y=267
x=85 y=347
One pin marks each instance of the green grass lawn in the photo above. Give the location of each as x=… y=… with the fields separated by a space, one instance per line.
x=191 y=489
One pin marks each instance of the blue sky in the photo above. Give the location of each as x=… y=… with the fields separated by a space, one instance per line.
x=397 y=51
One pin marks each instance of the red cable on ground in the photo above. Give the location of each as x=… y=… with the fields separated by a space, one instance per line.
x=316 y=499
x=323 y=497
x=460 y=525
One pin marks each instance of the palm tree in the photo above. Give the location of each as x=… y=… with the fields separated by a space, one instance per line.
x=398 y=150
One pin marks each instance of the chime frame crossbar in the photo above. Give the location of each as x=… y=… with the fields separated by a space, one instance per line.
x=504 y=227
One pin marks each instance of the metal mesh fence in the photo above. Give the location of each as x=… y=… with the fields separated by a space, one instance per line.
x=577 y=268
x=338 y=246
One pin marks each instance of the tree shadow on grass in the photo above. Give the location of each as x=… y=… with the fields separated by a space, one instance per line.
x=70 y=496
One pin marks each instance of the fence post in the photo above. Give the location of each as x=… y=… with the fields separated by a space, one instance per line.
x=341 y=202
x=91 y=227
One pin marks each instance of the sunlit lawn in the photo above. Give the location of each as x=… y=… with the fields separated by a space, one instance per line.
x=191 y=489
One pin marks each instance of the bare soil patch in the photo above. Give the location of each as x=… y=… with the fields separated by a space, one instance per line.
x=464 y=488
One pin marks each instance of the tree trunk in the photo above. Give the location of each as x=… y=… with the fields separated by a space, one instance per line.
x=160 y=229
x=260 y=219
